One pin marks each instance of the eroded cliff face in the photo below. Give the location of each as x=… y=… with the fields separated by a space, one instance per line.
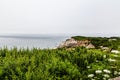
x=69 y=43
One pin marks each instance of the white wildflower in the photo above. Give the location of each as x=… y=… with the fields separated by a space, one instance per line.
x=88 y=66
x=115 y=51
x=106 y=71
x=98 y=71
x=104 y=56
x=115 y=72
x=106 y=75
x=111 y=60
x=91 y=75
x=104 y=78
x=118 y=73
x=97 y=61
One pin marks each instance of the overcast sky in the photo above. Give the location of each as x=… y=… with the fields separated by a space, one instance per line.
x=59 y=16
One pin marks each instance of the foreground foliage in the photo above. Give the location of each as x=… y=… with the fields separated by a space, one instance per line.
x=58 y=64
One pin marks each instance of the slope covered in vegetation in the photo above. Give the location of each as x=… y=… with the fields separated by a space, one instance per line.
x=111 y=42
x=58 y=64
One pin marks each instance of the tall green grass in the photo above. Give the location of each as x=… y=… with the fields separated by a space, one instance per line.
x=57 y=64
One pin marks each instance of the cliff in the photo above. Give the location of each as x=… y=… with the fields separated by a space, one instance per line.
x=69 y=43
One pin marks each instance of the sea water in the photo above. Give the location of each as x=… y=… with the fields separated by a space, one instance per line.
x=31 y=41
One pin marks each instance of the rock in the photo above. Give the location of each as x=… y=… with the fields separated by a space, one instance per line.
x=69 y=43
x=90 y=46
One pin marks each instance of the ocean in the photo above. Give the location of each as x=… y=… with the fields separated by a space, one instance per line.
x=31 y=41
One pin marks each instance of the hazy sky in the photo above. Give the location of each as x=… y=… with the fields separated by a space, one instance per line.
x=59 y=16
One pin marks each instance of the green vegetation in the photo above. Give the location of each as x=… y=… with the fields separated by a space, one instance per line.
x=58 y=64
x=111 y=42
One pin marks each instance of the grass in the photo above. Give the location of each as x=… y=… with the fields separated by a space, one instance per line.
x=58 y=64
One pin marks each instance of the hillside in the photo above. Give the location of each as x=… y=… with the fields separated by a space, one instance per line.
x=110 y=42
x=106 y=43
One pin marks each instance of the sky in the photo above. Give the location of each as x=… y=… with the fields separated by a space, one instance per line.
x=59 y=16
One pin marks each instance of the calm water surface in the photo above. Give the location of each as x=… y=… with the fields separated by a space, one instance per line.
x=30 y=42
